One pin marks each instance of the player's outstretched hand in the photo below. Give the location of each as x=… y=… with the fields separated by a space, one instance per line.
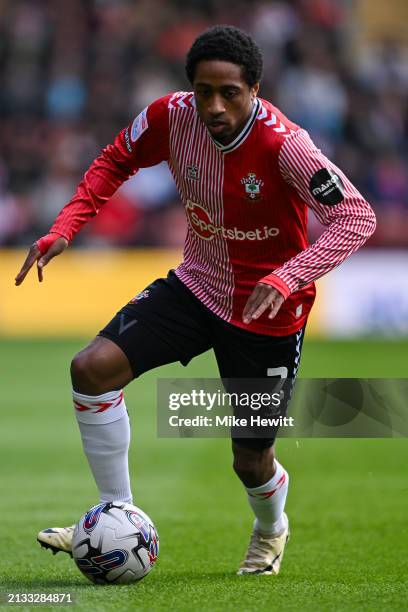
x=263 y=296
x=42 y=251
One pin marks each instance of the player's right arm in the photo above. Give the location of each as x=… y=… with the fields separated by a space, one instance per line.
x=142 y=144
x=42 y=251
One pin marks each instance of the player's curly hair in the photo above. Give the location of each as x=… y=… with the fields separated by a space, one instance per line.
x=228 y=44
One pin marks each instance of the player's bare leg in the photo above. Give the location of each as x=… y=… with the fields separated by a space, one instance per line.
x=99 y=372
x=266 y=483
x=253 y=467
x=100 y=367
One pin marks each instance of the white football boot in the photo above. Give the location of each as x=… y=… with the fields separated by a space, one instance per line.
x=265 y=553
x=57 y=538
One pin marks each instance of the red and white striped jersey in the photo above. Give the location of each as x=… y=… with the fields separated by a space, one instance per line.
x=246 y=205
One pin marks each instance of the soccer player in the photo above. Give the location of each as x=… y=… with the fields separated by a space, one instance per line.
x=246 y=176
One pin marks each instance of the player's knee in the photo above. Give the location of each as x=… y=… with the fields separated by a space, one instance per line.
x=87 y=372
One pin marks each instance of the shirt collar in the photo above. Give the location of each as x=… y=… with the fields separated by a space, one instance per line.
x=238 y=140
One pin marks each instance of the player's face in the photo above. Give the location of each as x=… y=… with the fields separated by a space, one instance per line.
x=224 y=100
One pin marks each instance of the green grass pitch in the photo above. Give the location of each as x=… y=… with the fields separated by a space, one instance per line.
x=347 y=501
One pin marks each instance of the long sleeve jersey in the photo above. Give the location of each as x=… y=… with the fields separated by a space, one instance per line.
x=246 y=205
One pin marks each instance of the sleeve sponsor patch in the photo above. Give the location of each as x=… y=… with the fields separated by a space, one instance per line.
x=327 y=187
x=139 y=126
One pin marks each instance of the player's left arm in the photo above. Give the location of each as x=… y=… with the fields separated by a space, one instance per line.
x=349 y=218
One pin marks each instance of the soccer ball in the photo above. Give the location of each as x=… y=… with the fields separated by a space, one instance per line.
x=115 y=542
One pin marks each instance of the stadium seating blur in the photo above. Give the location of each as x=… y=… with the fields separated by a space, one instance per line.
x=74 y=73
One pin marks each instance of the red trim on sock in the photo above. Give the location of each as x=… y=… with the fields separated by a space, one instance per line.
x=269 y=494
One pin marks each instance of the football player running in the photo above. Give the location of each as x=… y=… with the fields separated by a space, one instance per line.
x=246 y=176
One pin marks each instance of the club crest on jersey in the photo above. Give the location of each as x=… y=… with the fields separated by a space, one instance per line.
x=193 y=172
x=252 y=186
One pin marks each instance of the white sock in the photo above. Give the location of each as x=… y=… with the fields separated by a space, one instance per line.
x=104 y=425
x=268 y=502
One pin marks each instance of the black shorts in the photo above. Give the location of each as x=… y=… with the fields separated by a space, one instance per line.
x=167 y=323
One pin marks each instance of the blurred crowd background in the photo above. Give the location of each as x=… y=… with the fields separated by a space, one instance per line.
x=73 y=73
